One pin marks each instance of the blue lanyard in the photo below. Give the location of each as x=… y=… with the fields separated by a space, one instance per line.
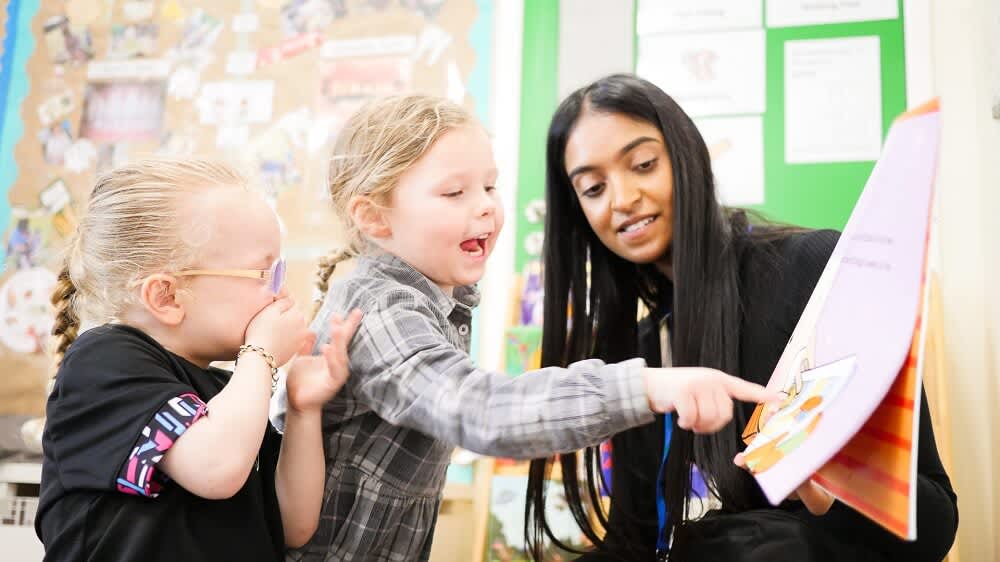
x=663 y=542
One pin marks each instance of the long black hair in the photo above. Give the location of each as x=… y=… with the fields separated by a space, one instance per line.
x=705 y=252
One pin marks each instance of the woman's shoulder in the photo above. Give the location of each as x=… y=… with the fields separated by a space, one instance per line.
x=793 y=253
x=808 y=248
x=781 y=268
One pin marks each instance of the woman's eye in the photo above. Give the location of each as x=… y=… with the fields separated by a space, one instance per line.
x=593 y=191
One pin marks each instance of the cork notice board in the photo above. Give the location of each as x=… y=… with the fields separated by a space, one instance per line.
x=265 y=84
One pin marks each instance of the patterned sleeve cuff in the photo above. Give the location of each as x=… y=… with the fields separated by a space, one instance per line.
x=138 y=475
x=625 y=389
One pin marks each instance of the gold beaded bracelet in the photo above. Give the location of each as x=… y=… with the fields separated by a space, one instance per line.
x=268 y=358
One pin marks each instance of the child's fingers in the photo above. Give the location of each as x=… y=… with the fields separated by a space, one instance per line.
x=714 y=411
x=336 y=363
x=345 y=329
x=748 y=391
x=341 y=330
x=708 y=414
x=769 y=411
x=328 y=353
x=724 y=404
x=687 y=411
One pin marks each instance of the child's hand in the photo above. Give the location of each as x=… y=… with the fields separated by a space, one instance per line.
x=817 y=500
x=315 y=379
x=279 y=328
x=702 y=397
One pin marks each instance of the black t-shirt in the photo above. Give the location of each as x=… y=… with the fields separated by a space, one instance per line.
x=120 y=400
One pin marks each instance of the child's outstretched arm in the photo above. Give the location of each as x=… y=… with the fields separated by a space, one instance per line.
x=411 y=375
x=312 y=381
x=214 y=457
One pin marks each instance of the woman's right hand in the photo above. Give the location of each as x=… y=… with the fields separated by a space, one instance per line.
x=702 y=397
x=279 y=328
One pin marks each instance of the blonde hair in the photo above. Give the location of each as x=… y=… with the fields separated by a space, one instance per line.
x=130 y=230
x=377 y=145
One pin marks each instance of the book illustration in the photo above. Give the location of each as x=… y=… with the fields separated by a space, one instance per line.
x=809 y=394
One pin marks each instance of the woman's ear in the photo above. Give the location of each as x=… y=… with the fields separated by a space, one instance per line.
x=369 y=217
x=158 y=294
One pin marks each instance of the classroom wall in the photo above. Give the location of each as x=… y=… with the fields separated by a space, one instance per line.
x=595 y=39
x=494 y=306
x=964 y=45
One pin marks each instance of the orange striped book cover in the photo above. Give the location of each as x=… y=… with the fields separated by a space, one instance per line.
x=876 y=472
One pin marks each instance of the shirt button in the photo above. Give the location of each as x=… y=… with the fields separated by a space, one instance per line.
x=463 y=330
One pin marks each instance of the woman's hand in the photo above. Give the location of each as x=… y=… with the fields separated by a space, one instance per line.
x=817 y=500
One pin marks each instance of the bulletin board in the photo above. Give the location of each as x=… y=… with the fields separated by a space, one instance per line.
x=814 y=194
x=265 y=84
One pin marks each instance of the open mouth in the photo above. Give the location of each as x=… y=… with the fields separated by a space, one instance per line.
x=475 y=247
x=637 y=225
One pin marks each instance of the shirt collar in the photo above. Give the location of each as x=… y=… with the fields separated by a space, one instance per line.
x=391 y=266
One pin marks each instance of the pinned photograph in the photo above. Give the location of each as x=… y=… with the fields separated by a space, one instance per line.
x=133 y=41
x=80 y=155
x=24 y=240
x=199 y=34
x=123 y=111
x=26 y=317
x=138 y=10
x=57 y=202
x=307 y=16
x=56 y=108
x=67 y=43
x=235 y=102
x=348 y=83
x=56 y=140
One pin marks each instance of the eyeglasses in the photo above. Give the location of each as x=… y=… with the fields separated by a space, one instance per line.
x=275 y=276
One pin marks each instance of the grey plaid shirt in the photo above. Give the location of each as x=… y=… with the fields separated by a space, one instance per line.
x=414 y=394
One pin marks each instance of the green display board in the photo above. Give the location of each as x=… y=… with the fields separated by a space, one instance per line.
x=539 y=92
x=823 y=195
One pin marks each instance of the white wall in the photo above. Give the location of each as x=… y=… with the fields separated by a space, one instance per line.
x=495 y=303
x=595 y=39
x=963 y=43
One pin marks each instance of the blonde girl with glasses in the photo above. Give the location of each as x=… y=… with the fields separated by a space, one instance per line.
x=150 y=453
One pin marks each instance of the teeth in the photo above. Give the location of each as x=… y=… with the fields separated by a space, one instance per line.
x=483 y=237
x=638 y=225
